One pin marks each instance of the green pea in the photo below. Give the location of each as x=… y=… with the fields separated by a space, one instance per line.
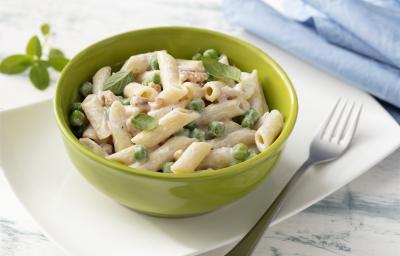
x=154 y=63
x=240 y=152
x=250 y=118
x=144 y=122
x=184 y=132
x=156 y=78
x=197 y=56
x=190 y=126
x=198 y=134
x=211 y=53
x=216 y=129
x=77 y=118
x=86 y=89
x=196 y=105
x=140 y=153
x=166 y=167
x=75 y=106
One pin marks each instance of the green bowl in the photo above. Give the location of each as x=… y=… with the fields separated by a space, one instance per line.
x=164 y=194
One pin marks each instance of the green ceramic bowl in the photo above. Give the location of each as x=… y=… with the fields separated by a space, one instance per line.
x=164 y=194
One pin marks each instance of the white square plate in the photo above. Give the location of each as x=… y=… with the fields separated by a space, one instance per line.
x=85 y=222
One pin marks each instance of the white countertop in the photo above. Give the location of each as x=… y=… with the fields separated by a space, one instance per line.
x=362 y=218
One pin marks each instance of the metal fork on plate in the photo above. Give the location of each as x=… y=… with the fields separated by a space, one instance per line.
x=330 y=142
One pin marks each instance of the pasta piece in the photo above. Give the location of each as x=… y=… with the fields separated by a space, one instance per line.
x=93 y=146
x=190 y=65
x=120 y=134
x=231 y=126
x=99 y=78
x=194 y=90
x=139 y=63
x=164 y=153
x=96 y=115
x=243 y=135
x=260 y=120
x=124 y=156
x=171 y=95
x=218 y=158
x=160 y=112
x=168 y=70
x=247 y=86
x=191 y=157
x=229 y=93
x=167 y=125
x=212 y=90
x=131 y=111
x=90 y=133
x=192 y=76
x=269 y=130
x=223 y=110
x=141 y=91
x=257 y=100
x=178 y=154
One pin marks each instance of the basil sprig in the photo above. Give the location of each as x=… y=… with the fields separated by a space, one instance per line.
x=34 y=61
x=117 y=82
x=220 y=70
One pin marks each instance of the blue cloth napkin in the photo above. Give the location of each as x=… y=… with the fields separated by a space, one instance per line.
x=356 y=40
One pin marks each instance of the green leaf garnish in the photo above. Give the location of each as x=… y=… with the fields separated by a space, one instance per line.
x=39 y=76
x=220 y=70
x=34 y=47
x=144 y=122
x=54 y=52
x=15 y=64
x=117 y=82
x=58 y=63
x=45 y=29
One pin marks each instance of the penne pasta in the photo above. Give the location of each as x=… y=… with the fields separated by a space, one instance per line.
x=194 y=90
x=171 y=95
x=242 y=135
x=124 y=156
x=269 y=130
x=97 y=115
x=224 y=110
x=212 y=90
x=93 y=146
x=99 y=78
x=164 y=153
x=217 y=158
x=257 y=100
x=139 y=63
x=191 y=157
x=190 y=65
x=167 y=125
x=119 y=132
x=169 y=71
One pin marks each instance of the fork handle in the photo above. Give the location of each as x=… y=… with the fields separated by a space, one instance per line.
x=246 y=246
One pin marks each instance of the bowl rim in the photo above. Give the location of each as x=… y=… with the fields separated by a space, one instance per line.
x=230 y=170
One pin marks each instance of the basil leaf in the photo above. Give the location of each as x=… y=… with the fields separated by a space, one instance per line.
x=15 y=64
x=34 y=48
x=144 y=122
x=58 y=63
x=117 y=82
x=220 y=70
x=39 y=76
x=45 y=28
x=54 y=52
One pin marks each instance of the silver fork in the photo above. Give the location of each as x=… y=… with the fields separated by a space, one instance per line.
x=330 y=142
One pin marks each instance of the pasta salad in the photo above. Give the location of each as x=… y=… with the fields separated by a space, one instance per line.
x=175 y=115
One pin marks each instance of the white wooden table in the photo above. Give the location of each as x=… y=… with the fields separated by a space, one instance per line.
x=363 y=218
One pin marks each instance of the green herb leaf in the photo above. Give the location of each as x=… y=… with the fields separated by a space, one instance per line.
x=220 y=70
x=58 y=63
x=45 y=28
x=34 y=48
x=15 y=64
x=39 y=76
x=117 y=82
x=54 y=52
x=144 y=122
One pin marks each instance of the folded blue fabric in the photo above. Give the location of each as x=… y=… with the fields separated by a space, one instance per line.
x=356 y=40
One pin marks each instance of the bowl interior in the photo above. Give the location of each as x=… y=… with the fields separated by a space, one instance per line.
x=181 y=42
